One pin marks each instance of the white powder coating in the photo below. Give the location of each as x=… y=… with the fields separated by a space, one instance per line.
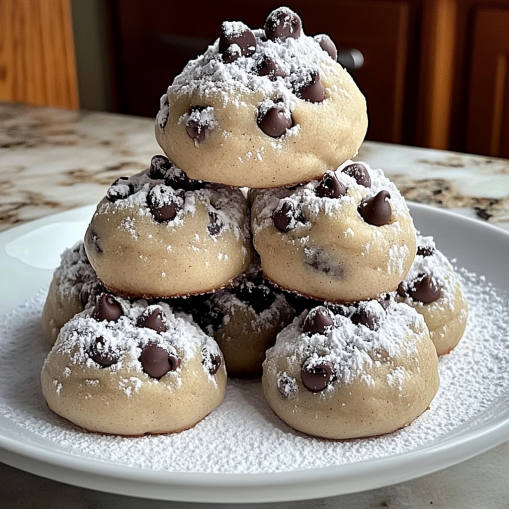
x=222 y=201
x=243 y=435
x=352 y=349
x=125 y=340
x=208 y=75
x=304 y=197
x=76 y=276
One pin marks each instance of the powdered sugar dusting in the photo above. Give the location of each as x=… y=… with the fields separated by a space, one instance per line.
x=243 y=435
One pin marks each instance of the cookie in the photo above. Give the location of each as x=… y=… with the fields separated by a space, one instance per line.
x=347 y=237
x=160 y=234
x=262 y=108
x=74 y=287
x=434 y=290
x=352 y=371
x=133 y=369
x=245 y=320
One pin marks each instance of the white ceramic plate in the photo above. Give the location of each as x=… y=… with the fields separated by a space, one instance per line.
x=27 y=257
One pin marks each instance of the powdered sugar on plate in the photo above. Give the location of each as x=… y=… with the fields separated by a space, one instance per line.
x=243 y=435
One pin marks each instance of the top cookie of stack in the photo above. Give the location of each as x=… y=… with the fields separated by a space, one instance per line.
x=262 y=108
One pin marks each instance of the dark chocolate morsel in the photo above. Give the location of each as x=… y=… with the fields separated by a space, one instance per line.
x=275 y=121
x=159 y=165
x=93 y=239
x=317 y=320
x=213 y=363
x=327 y=45
x=359 y=172
x=196 y=128
x=283 y=24
x=156 y=361
x=402 y=291
x=385 y=300
x=101 y=354
x=425 y=289
x=163 y=203
x=317 y=377
x=365 y=317
x=84 y=296
x=330 y=187
x=311 y=88
x=376 y=210
x=267 y=66
x=231 y=54
x=152 y=320
x=107 y=308
x=121 y=189
x=215 y=224
x=285 y=216
x=243 y=37
x=178 y=179
x=425 y=250
x=258 y=297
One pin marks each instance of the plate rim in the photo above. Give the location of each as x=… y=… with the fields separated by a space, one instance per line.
x=230 y=488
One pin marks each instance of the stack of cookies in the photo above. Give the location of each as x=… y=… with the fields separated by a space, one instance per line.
x=255 y=225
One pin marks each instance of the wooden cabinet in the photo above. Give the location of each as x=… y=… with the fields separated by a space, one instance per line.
x=434 y=72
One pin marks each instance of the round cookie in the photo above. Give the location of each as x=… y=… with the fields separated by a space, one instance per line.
x=160 y=234
x=262 y=108
x=347 y=237
x=434 y=290
x=74 y=287
x=245 y=320
x=133 y=370
x=357 y=371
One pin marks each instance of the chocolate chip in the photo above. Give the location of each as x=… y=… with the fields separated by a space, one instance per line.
x=330 y=187
x=107 y=308
x=402 y=290
x=93 y=239
x=236 y=34
x=103 y=355
x=385 y=300
x=231 y=54
x=215 y=224
x=275 y=121
x=283 y=24
x=267 y=66
x=212 y=362
x=197 y=125
x=159 y=165
x=164 y=203
x=316 y=377
x=376 y=210
x=425 y=250
x=121 y=189
x=310 y=88
x=152 y=319
x=425 y=289
x=359 y=172
x=156 y=361
x=258 y=297
x=178 y=179
x=363 y=316
x=285 y=216
x=317 y=320
x=327 y=45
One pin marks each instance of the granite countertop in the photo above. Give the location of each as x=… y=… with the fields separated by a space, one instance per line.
x=53 y=160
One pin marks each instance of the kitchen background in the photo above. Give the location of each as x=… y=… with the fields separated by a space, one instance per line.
x=435 y=72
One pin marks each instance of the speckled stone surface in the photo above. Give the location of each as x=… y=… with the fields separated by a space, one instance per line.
x=54 y=160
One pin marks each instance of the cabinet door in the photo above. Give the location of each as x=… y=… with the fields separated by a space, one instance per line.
x=488 y=102
x=157 y=38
